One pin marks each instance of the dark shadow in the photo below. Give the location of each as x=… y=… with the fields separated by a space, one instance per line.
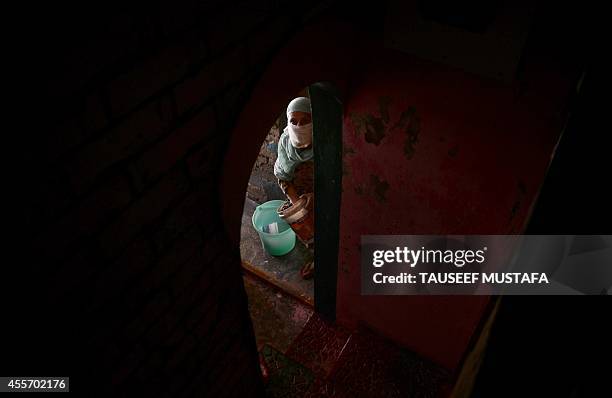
x=327 y=130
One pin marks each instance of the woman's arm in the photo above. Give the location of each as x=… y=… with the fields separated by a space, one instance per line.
x=288 y=189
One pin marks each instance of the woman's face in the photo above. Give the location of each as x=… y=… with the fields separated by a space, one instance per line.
x=299 y=118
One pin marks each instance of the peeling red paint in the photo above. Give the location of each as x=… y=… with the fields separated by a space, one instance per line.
x=379 y=188
x=452 y=150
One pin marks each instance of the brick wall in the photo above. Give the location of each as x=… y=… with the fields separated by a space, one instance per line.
x=268 y=151
x=262 y=182
x=122 y=254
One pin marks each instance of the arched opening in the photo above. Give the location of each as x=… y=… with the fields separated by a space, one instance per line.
x=271 y=245
x=281 y=301
x=281 y=82
x=283 y=270
x=275 y=252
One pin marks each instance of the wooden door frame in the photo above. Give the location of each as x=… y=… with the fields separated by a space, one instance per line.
x=327 y=142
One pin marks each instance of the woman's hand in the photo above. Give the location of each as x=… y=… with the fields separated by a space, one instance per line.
x=292 y=194
x=289 y=190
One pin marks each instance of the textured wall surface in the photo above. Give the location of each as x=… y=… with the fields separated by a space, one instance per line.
x=433 y=150
x=120 y=223
x=262 y=183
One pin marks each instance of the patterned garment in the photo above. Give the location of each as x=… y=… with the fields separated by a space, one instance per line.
x=303 y=180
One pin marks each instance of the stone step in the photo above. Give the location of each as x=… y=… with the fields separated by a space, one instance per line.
x=370 y=365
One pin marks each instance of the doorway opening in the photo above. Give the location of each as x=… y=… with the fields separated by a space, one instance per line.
x=266 y=190
x=286 y=306
x=270 y=248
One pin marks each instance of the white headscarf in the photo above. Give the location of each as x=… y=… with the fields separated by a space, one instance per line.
x=300 y=136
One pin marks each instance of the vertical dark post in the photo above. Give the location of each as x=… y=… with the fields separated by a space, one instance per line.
x=327 y=136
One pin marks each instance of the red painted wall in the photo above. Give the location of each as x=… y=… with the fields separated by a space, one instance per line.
x=477 y=153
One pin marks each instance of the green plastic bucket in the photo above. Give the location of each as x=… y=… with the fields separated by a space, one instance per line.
x=276 y=244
